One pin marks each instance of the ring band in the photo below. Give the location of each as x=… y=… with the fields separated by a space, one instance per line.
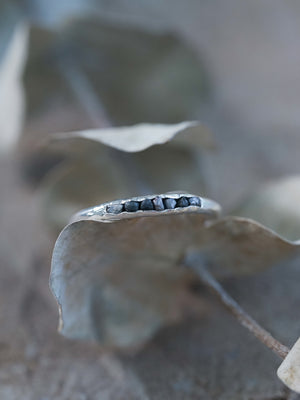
x=150 y=205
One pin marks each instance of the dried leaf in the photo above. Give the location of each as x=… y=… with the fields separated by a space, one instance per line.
x=242 y=245
x=119 y=282
x=105 y=53
x=204 y=358
x=140 y=137
x=99 y=298
x=289 y=370
x=11 y=93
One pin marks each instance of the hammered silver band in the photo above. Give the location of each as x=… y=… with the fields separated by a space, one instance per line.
x=179 y=201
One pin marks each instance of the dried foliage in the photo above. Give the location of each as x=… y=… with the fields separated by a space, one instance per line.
x=129 y=68
x=97 y=171
x=116 y=78
x=289 y=370
x=119 y=282
x=13 y=43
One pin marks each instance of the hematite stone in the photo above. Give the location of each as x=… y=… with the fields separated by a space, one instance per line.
x=147 y=205
x=195 y=201
x=170 y=203
x=158 y=204
x=182 y=202
x=114 y=208
x=131 y=206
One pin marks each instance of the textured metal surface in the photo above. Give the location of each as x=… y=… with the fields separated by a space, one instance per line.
x=100 y=213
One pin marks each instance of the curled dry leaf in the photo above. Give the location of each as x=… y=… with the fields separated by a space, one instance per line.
x=289 y=370
x=119 y=282
x=95 y=161
x=140 y=137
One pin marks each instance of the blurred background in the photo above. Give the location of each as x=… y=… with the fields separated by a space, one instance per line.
x=89 y=64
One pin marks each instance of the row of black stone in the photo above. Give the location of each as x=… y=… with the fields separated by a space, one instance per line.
x=157 y=204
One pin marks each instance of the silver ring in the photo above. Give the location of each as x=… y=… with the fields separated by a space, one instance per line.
x=149 y=206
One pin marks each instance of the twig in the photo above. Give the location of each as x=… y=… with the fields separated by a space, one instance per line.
x=248 y=322
x=84 y=92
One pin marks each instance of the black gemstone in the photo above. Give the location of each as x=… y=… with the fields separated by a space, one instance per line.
x=195 y=201
x=182 y=202
x=170 y=203
x=131 y=206
x=114 y=208
x=158 y=204
x=147 y=205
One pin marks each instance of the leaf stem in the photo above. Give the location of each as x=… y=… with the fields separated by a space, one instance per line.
x=245 y=320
